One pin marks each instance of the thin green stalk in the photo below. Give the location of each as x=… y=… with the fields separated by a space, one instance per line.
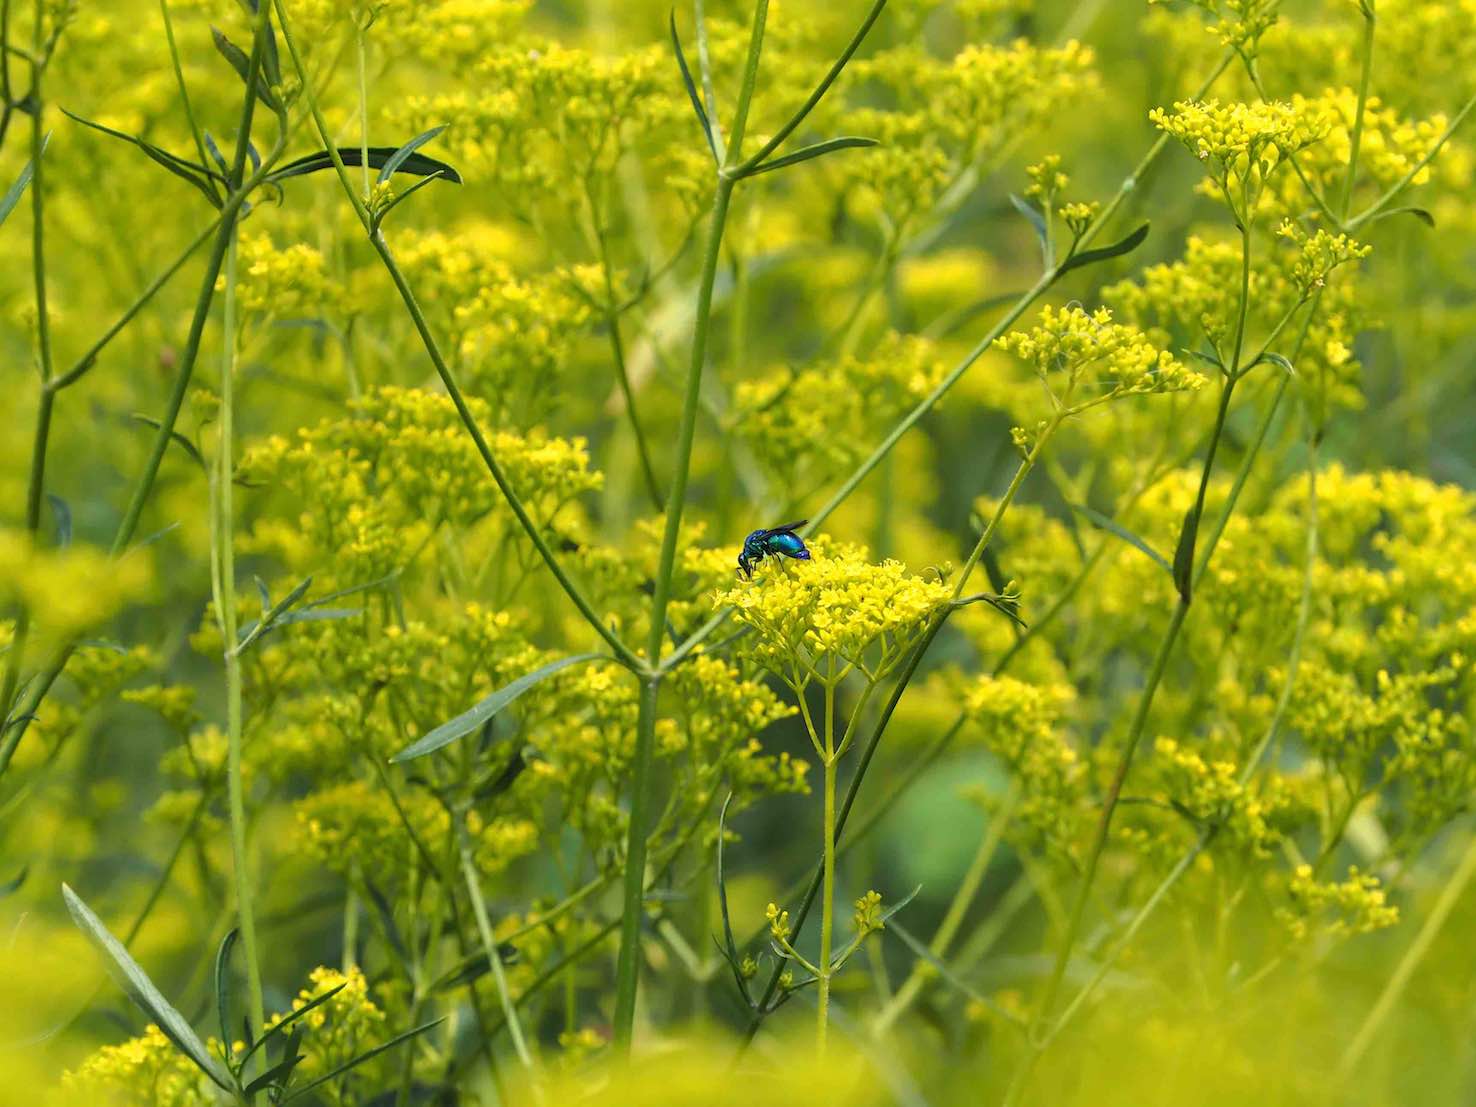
x=85 y=363
x=627 y=963
x=622 y=652
x=928 y=402
x=827 y=888
x=1356 y=140
x=627 y=968
x=1418 y=949
x=37 y=483
x=223 y=541
x=1374 y=210
x=363 y=106
x=622 y=374
x=963 y=899
x=184 y=91
x=494 y=960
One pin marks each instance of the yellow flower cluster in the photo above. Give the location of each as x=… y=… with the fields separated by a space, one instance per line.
x=1242 y=144
x=791 y=419
x=1022 y=724
x=954 y=116
x=1356 y=905
x=70 y=590
x=284 y=282
x=1209 y=790
x=381 y=479
x=1069 y=348
x=147 y=1071
x=837 y=613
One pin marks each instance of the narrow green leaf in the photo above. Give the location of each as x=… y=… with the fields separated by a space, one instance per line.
x=197 y=175
x=418 y=164
x=676 y=44
x=178 y=439
x=508 y=776
x=285 y=1024
x=1008 y=608
x=399 y=199
x=1035 y=216
x=903 y=902
x=141 y=990
x=819 y=149
x=1104 y=253
x=397 y=159
x=279 y=1073
x=63 y=513
x=223 y=983
x=398 y=1039
x=469 y=721
x=13 y=885
x=241 y=63
x=1278 y=360
x=215 y=155
x=1111 y=526
x=1184 y=553
x=922 y=952
x=271 y=58
x=704 y=67
x=1419 y=213
x=729 y=945
x=13 y=193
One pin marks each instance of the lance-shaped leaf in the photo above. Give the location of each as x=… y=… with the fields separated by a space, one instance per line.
x=1111 y=526
x=398 y=158
x=242 y=65
x=1419 y=213
x=805 y=153
x=184 y=169
x=174 y=436
x=11 y=886
x=285 y=1023
x=923 y=953
x=1103 y=253
x=398 y=1039
x=676 y=45
x=1275 y=359
x=729 y=945
x=470 y=720
x=141 y=990
x=63 y=513
x=223 y=981
x=1037 y=221
x=13 y=193
x=419 y=164
x=1184 y=553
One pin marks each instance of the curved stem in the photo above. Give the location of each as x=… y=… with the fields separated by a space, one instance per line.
x=622 y=652
x=963 y=898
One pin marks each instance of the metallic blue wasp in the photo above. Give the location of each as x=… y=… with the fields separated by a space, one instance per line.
x=774 y=542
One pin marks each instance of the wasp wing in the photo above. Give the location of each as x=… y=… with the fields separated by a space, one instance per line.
x=785 y=529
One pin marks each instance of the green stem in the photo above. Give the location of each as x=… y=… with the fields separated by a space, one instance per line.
x=1356 y=141
x=928 y=402
x=963 y=898
x=489 y=945
x=827 y=897
x=627 y=964
x=627 y=969
x=1449 y=896
x=622 y=652
x=184 y=91
x=84 y=364
x=223 y=536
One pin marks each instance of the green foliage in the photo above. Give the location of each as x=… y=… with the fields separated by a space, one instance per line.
x=371 y=648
